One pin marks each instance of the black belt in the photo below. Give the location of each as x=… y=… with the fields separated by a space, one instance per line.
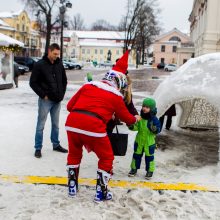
x=89 y=113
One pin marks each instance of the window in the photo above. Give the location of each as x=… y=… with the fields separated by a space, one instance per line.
x=101 y=51
x=88 y=51
x=18 y=27
x=162 y=60
x=163 y=48
x=174 y=49
x=83 y=51
x=23 y=27
x=175 y=38
x=96 y=51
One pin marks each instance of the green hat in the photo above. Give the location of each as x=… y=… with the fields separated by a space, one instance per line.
x=149 y=102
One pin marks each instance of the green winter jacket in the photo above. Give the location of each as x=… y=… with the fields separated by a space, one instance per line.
x=145 y=137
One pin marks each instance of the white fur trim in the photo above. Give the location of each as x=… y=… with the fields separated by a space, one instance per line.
x=106 y=87
x=115 y=71
x=88 y=133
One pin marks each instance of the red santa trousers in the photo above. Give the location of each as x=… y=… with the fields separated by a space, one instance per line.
x=101 y=146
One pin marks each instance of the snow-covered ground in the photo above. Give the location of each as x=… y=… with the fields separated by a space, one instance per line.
x=18 y=113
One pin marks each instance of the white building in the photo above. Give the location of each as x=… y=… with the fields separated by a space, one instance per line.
x=205 y=26
x=94 y=45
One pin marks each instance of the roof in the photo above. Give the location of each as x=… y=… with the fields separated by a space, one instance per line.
x=10 y=14
x=111 y=35
x=5 y=26
x=6 y=41
x=172 y=31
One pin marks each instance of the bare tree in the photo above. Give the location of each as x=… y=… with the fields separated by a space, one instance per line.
x=140 y=24
x=77 y=23
x=148 y=28
x=46 y=15
x=102 y=25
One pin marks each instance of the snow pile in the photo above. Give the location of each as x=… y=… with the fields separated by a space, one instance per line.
x=198 y=78
x=18 y=114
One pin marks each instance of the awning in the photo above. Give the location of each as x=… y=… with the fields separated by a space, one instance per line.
x=6 y=41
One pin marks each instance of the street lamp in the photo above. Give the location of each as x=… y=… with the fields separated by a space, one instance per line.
x=137 y=58
x=65 y=4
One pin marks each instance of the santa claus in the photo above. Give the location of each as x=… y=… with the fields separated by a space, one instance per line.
x=90 y=110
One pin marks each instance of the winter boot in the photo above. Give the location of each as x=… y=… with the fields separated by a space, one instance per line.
x=148 y=175
x=102 y=192
x=73 y=173
x=132 y=172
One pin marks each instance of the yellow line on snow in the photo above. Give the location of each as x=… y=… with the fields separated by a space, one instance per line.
x=113 y=183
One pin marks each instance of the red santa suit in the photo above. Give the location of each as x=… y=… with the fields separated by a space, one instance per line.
x=90 y=110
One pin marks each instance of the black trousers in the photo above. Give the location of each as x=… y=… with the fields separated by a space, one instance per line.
x=168 y=122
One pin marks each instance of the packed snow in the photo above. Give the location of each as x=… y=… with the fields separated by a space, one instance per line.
x=198 y=78
x=18 y=114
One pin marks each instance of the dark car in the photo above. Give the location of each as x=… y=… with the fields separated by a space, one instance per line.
x=26 y=61
x=21 y=68
x=161 y=65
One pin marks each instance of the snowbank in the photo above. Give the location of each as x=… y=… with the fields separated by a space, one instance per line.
x=198 y=78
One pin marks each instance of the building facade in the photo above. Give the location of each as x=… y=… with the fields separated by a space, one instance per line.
x=19 y=26
x=98 y=46
x=172 y=47
x=205 y=26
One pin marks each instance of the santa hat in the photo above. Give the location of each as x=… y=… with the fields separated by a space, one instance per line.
x=122 y=64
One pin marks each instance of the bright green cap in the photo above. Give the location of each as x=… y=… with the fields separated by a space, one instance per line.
x=150 y=103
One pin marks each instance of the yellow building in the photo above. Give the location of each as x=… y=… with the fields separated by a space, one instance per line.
x=95 y=45
x=19 y=26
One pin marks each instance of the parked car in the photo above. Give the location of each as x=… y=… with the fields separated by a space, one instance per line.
x=22 y=69
x=170 y=67
x=73 y=64
x=106 y=64
x=66 y=67
x=160 y=66
x=26 y=61
x=36 y=59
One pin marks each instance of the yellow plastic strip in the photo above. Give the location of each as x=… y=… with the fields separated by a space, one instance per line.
x=113 y=183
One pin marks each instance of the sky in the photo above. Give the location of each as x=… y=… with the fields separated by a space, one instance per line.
x=174 y=13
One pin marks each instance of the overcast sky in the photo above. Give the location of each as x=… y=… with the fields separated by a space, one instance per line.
x=174 y=13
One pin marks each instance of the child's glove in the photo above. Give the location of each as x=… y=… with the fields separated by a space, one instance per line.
x=154 y=125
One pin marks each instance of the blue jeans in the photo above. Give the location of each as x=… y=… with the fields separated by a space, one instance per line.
x=44 y=107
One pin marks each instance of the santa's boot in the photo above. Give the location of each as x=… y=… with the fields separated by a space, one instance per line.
x=73 y=173
x=102 y=192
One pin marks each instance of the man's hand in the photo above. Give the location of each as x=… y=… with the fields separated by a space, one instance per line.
x=138 y=117
x=46 y=98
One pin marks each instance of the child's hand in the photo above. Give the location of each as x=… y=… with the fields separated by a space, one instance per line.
x=138 y=117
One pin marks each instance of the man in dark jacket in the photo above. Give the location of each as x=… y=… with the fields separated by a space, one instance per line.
x=48 y=80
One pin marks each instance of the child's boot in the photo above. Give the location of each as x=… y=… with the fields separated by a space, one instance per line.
x=149 y=175
x=132 y=172
x=102 y=192
x=73 y=173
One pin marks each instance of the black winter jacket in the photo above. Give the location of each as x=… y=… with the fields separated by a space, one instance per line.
x=49 y=79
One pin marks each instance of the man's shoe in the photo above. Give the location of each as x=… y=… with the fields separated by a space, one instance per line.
x=132 y=172
x=38 y=154
x=60 y=149
x=148 y=175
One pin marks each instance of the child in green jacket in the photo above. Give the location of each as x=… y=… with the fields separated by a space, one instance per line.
x=148 y=127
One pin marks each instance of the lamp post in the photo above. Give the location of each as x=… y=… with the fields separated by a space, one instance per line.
x=65 y=4
x=137 y=58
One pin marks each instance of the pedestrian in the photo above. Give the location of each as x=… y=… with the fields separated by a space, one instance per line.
x=16 y=74
x=169 y=113
x=148 y=127
x=90 y=110
x=127 y=93
x=48 y=80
